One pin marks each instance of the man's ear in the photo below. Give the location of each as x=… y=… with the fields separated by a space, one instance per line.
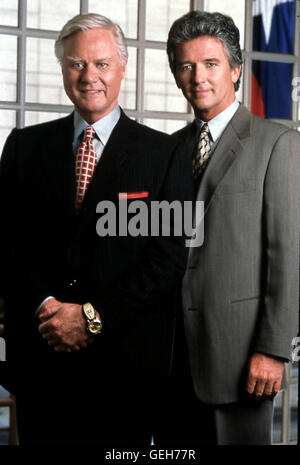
x=124 y=69
x=235 y=73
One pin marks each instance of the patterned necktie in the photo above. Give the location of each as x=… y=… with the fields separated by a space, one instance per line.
x=203 y=152
x=86 y=161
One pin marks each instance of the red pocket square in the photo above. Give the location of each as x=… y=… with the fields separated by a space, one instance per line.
x=133 y=195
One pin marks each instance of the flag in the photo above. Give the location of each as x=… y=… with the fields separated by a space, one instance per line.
x=273 y=31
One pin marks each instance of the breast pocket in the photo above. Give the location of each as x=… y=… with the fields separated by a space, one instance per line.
x=245 y=185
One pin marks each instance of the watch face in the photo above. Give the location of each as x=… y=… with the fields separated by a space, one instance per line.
x=89 y=311
x=95 y=327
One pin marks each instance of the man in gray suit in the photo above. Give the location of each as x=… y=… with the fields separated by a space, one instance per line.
x=240 y=290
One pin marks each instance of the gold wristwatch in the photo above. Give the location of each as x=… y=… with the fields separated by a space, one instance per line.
x=93 y=323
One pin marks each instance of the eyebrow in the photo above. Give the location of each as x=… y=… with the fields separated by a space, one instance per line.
x=74 y=59
x=180 y=63
x=212 y=59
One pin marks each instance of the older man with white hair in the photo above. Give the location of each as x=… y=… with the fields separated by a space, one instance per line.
x=89 y=318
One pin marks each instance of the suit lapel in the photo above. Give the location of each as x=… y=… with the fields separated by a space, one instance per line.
x=226 y=152
x=59 y=163
x=58 y=159
x=224 y=155
x=187 y=137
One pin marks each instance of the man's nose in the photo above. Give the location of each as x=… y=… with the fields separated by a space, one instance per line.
x=200 y=74
x=89 y=74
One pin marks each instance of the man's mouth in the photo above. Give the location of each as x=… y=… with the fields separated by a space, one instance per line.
x=201 y=91
x=91 y=91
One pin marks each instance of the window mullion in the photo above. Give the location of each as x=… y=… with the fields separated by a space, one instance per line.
x=140 y=72
x=296 y=67
x=21 y=64
x=247 y=68
x=84 y=6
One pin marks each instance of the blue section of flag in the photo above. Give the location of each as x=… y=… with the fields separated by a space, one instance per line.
x=275 y=78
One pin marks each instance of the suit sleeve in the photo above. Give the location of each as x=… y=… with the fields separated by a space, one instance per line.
x=15 y=278
x=280 y=313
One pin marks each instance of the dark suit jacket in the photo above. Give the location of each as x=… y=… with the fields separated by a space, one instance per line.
x=241 y=288
x=49 y=250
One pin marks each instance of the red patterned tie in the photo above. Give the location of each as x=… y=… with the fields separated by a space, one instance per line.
x=86 y=161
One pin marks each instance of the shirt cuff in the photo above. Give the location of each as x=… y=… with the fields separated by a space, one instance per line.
x=45 y=300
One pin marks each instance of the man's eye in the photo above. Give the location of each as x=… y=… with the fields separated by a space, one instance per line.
x=77 y=65
x=186 y=67
x=102 y=65
x=211 y=64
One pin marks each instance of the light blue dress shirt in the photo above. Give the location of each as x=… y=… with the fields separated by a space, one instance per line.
x=103 y=128
x=218 y=124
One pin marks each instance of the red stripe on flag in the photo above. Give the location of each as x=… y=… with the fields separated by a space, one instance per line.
x=257 y=103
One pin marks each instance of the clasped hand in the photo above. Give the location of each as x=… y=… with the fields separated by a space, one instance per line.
x=63 y=326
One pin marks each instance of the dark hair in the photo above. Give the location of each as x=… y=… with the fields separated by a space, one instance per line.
x=200 y=23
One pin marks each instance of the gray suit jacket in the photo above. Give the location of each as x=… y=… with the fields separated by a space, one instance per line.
x=241 y=287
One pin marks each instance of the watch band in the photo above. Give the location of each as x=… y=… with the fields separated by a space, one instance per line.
x=89 y=311
x=93 y=322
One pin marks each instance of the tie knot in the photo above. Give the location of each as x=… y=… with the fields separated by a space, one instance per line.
x=204 y=130
x=89 y=133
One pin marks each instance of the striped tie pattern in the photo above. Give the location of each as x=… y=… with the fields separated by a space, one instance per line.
x=203 y=152
x=86 y=161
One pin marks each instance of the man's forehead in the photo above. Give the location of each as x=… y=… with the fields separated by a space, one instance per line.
x=202 y=46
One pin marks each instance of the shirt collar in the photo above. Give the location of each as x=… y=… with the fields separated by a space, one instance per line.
x=217 y=124
x=103 y=127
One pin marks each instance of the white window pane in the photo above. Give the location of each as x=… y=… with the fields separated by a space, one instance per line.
x=7 y=123
x=9 y=12
x=50 y=14
x=161 y=92
x=128 y=89
x=43 y=80
x=160 y=16
x=36 y=117
x=233 y=8
x=123 y=12
x=165 y=125
x=8 y=73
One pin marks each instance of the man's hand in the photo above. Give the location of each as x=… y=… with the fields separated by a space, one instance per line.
x=264 y=376
x=63 y=326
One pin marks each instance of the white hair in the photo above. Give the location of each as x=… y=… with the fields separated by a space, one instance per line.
x=86 y=22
